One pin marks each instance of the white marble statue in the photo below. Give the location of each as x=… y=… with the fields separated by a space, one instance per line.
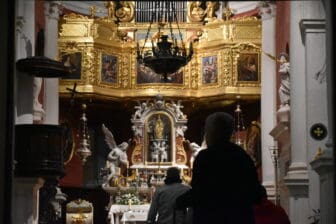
x=37 y=106
x=177 y=109
x=195 y=149
x=117 y=155
x=159 y=152
x=284 y=89
x=139 y=109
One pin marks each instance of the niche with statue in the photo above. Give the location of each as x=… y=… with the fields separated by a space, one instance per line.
x=158 y=143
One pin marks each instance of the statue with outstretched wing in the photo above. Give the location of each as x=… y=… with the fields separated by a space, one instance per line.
x=117 y=155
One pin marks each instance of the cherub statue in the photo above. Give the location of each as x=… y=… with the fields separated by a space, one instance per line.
x=139 y=109
x=195 y=12
x=177 y=109
x=118 y=154
x=159 y=152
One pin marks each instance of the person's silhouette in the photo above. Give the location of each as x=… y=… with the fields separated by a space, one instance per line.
x=224 y=179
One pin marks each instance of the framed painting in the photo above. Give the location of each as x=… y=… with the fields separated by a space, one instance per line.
x=146 y=76
x=73 y=61
x=109 y=68
x=248 y=67
x=209 y=70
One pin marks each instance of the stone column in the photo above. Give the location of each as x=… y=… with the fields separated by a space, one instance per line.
x=25 y=40
x=313 y=35
x=26 y=200
x=323 y=163
x=306 y=57
x=51 y=102
x=268 y=103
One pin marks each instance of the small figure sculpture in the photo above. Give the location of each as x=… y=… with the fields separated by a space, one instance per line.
x=158 y=129
x=110 y=5
x=37 y=106
x=284 y=89
x=180 y=130
x=140 y=109
x=159 y=152
x=211 y=8
x=177 y=109
x=195 y=148
x=117 y=156
x=196 y=12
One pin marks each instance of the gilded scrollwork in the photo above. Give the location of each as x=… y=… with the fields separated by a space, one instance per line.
x=124 y=79
x=195 y=11
x=125 y=13
x=194 y=73
x=226 y=68
x=89 y=66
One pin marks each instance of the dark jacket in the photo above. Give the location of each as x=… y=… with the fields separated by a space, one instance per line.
x=224 y=186
x=163 y=203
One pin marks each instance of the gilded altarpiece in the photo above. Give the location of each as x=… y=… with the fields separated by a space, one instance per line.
x=96 y=39
x=158 y=127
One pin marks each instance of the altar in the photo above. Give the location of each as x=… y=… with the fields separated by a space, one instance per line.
x=120 y=214
x=135 y=169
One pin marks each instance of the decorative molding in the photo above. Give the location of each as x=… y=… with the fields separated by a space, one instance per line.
x=311 y=26
x=297 y=180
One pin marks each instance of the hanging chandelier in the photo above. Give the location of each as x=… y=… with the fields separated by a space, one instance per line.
x=166 y=54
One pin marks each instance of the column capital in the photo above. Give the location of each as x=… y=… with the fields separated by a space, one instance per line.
x=311 y=26
x=52 y=10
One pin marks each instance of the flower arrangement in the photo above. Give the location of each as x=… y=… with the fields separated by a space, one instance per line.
x=128 y=198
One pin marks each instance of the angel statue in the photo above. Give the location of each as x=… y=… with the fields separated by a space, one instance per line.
x=117 y=156
x=195 y=148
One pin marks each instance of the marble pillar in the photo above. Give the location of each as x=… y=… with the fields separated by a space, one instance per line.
x=306 y=57
x=323 y=163
x=25 y=40
x=26 y=200
x=51 y=101
x=268 y=104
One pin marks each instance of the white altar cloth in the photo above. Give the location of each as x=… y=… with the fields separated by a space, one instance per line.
x=127 y=214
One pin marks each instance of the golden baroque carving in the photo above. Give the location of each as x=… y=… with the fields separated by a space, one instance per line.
x=126 y=12
x=194 y=73
x=87 y=70
x=125 y=64
x=195 y=12
x=226 y=67
x=110 y=6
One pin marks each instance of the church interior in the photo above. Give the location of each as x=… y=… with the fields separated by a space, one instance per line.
x=102 y=97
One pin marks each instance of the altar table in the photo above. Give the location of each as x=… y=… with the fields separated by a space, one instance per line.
x=120 y=214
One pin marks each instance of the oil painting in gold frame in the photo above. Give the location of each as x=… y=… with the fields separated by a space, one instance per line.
x=109 y=68
x=209 y=70
x=73 y=61
x=146 y=76
x=248 y=67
